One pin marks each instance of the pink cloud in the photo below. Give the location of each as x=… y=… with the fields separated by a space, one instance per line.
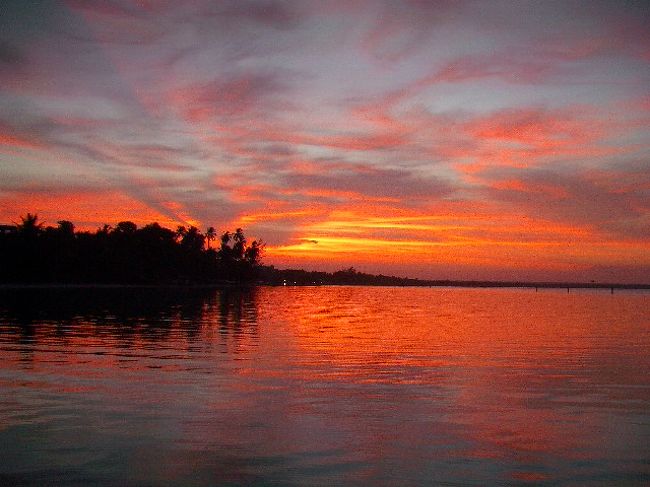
x=10 y=138
x=228 y=97
x=538 y=128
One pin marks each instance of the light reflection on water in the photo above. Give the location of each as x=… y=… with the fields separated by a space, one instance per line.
x=323 y=386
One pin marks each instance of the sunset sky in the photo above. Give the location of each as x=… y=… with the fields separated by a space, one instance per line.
x=433 y=139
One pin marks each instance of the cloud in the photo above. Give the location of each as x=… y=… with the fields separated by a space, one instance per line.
x=10 y=56
x=15 y=139
x=604 y=200
x=271 y=13
x=490 y=133
x=400 y=29
x=535 y=127
x=112 y=8
x=86 y=206
x=235 y=96
x=370 y=181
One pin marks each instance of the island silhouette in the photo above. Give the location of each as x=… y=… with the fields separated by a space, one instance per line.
x=125 y=254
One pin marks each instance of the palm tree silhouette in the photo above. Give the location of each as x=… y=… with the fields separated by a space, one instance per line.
x=210 y=235
x=239 y=246
x=181 y=231
x=29 y=227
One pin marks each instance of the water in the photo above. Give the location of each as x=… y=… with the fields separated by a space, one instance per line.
x=324 y=386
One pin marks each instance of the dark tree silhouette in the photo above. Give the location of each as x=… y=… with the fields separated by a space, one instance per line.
x=239 y=245
x=225 y=251
x=29 y=226
x=126 y=228
x=253 y=253
x=124 y=254
x=210 y=235
x=193 y=239
x=66 y=227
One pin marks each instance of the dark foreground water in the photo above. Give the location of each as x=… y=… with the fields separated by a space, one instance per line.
x=324 y=386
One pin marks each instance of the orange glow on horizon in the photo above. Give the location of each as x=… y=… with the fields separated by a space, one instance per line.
x=481 y=240
x=86 y=210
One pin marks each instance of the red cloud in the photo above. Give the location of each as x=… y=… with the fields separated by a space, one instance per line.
x=11 y=139
x=7 y=140
x=537 y=127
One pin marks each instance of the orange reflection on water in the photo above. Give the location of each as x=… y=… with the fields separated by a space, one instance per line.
x=324 y=385
x=520 y=376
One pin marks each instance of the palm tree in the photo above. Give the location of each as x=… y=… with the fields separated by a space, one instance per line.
x=226 y=252
x=254 y=252
x=210 y=235
x=239 y=246
x=181 y=231
x=225 y=239
x=29 y=227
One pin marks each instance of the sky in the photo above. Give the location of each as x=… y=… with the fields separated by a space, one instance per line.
x=432 y=139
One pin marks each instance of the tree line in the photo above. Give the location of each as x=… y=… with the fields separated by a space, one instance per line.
x=343 y=277
x=31 y=252
x=125 y=253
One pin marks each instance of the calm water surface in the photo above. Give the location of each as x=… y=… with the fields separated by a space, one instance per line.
x=324 y=386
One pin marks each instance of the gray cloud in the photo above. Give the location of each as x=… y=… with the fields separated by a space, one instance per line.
x=232 y=95
x=10 y=55
x=377 y=182
x=606 y=199
x=271 y=13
